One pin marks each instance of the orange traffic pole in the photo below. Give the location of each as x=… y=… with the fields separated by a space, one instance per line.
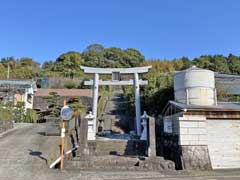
x=62 y=139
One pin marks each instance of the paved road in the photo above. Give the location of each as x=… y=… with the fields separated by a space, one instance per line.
x=24 y=153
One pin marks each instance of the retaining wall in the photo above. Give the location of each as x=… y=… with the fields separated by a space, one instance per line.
x=5 y=125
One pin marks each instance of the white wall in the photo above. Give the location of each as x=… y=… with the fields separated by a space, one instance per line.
x=192 y=130
x=224 y=143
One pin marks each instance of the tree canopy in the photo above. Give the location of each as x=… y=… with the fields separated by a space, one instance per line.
x=96 y=55
x=160 y=77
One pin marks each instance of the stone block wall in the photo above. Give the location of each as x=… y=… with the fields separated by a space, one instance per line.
x=191 y=131
x=5 y=125
x=196 y=158
x=116 y=147
x=193 y=142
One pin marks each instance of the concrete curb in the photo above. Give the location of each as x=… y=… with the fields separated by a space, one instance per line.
x=15 y=127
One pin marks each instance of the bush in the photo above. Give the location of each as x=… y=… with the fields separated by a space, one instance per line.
x=19 y=112
x=5 y=115
x=70 y=85
x=31 y=116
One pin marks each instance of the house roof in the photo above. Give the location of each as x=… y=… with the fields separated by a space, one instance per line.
x=64 y=92
x=19 y=84
x=228 y=82
x=221 y=106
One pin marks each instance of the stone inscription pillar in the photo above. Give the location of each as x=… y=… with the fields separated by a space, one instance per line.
x=152 y=138
x=83 y=137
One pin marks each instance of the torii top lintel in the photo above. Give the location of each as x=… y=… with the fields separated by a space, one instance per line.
x=93 y=70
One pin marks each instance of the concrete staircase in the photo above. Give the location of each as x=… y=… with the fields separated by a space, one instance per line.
x=111 y=162
x=113 y=114
x=117 y=155
x=116 y=147
x=108 y=153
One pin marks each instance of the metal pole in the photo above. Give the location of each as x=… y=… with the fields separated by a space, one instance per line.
x=62 y=139
x=95 y=100
x=137 y=103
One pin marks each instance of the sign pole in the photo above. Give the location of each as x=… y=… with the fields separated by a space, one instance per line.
x=62 y=139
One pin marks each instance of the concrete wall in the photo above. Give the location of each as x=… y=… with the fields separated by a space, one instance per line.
x=224 y=143
x=206 y=143
x=192 y=140
x=5 y=125
x=196 y=157
x=192 y=130
x=117 y=147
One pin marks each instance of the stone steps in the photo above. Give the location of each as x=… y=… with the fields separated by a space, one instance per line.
x=117 y=147
x=118 y=163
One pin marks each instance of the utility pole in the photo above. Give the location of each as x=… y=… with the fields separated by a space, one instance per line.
x=8 y=72
x=66 y=115
x=62 y=139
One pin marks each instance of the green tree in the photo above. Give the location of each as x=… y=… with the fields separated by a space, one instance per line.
x=94 y=48
x=94 y=58
x=133 y=57
x=68 y=64
x=234 y=64
x=204 y=62
x=115 y=57
x=77 y=106
x=54 y=104
x=186 y=63
x=47 y=65
x=219 y=64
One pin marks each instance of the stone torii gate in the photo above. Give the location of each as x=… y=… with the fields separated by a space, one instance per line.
x=116 y=80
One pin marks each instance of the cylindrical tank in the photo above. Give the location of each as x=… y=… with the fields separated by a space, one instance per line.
x=195 y=86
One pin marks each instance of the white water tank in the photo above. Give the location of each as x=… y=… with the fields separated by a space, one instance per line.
x=195 y=86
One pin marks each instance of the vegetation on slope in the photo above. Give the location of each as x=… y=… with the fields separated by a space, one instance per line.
x=160 y=77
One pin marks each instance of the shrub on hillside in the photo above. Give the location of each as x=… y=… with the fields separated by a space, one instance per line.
x=70 y=85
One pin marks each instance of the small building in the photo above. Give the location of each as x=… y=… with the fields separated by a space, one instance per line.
x=18 y=91
x=230 y=84
x=208 y=131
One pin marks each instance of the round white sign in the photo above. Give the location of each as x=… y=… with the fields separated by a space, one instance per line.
x=66 y=113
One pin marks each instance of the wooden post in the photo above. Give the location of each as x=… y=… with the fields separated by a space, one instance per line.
x=62 y=139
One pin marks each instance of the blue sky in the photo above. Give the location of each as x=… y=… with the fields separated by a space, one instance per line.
x=170 y=29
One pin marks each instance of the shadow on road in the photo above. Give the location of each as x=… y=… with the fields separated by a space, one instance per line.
x=38 y=154
x=42 y=133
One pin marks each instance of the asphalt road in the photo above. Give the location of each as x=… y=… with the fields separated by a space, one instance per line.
x=25 y=153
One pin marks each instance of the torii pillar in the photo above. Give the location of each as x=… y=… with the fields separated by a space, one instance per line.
x=95 y=100
x=116 y=80
x=137 y=104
